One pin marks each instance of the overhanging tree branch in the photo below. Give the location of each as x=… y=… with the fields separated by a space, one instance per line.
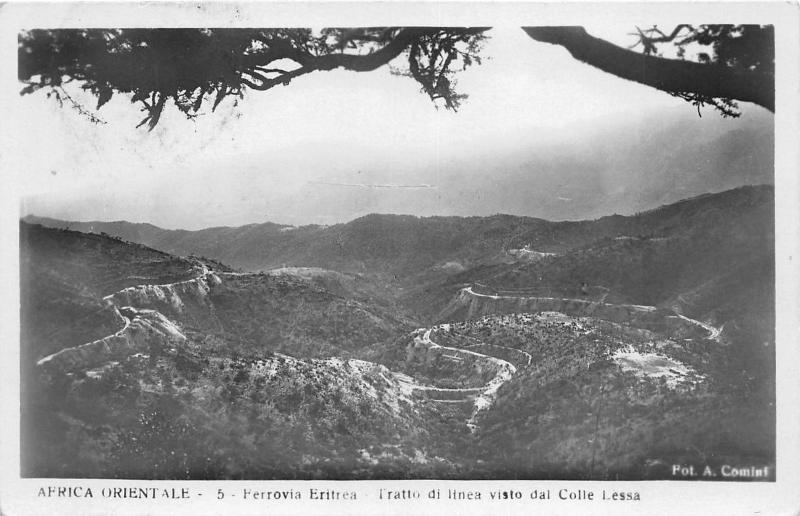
x=374 y=60
x=186 y=66
x=352 y=62
x=669 y=75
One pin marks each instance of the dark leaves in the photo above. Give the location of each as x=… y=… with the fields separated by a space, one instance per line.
x=741 y=47
x=728 y=108
x=221 y=92
x=140 y=96
x=198 y=102
x=104 y=96
x=30 y=88
x=185 y=65
x=433 y=60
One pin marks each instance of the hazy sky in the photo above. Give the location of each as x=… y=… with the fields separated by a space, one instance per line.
x=275 y=156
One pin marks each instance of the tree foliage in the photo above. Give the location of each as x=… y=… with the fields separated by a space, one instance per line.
x=190 y=67
x=194 y=67
x=744 y=48
x=730 y=62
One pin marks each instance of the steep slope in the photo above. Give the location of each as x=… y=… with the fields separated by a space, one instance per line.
x=185 y=362
x=264 y=312
x=190 y=415
x=548 y=395
x=701 y=257
x=64 y=276
x=604 y=401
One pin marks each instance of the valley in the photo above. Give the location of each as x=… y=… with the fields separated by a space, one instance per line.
x=399 y=347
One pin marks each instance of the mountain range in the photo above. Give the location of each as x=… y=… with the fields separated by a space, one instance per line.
x=402 y=347
x=650 y=258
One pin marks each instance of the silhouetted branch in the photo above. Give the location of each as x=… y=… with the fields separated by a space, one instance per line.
x=670 y=75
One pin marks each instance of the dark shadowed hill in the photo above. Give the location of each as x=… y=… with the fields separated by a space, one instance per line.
x=651 y=257
x=406 y=245
x=69 y=281
x=710 y=258
x=140 y=364
x=64 y=276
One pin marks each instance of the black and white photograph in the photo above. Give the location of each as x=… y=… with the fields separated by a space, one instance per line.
x=427 y=251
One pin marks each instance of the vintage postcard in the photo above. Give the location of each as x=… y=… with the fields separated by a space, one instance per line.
x=400 y=258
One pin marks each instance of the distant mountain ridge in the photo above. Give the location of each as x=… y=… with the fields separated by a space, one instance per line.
x=405 y=245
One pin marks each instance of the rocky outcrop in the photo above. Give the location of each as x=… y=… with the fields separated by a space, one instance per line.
x=185 y=301
x=143 y=331
x=141 y=309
